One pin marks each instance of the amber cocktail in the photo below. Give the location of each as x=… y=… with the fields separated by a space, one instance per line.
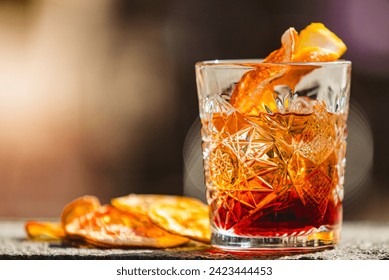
x=274 y=162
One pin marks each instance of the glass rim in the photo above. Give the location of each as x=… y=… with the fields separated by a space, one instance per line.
x=257 y=62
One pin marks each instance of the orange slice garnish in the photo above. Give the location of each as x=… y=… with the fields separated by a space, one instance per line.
x=44 y=230
x=184 y=216
x=254 y=93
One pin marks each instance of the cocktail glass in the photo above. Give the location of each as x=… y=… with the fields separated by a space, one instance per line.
x=274 y=160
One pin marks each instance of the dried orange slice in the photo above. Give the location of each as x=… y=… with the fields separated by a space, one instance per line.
x=185 y=216
x=254 y=93
x=44 y=230
x=111 y=227
x=76 y=210
x=139 y=203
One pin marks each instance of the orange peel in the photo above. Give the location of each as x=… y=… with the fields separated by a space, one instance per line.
x=318 y=38
x=254 y=94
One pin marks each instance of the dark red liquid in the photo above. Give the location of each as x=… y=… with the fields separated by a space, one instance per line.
x=285 y=215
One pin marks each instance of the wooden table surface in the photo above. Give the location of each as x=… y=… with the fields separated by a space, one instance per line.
x=360 y=240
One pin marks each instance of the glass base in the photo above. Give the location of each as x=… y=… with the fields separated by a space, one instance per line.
x=312 y=241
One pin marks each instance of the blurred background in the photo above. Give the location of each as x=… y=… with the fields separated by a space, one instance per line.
x=99 y=96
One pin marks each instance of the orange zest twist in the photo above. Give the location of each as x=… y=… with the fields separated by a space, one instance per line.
x=254 y=92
